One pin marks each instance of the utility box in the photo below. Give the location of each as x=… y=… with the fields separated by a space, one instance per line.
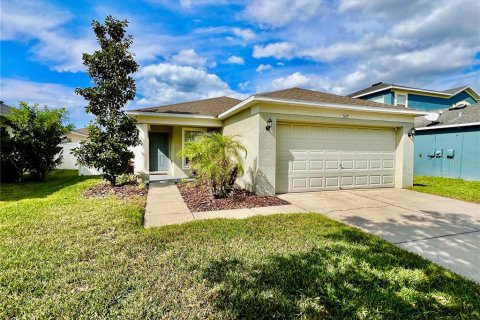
x=450 y=153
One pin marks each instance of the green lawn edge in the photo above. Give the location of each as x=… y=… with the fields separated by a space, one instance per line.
x=65 y=256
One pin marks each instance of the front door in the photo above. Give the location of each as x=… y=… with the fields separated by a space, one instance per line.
x=158 y=151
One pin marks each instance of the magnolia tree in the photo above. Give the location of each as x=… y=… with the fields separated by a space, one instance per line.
x=112 y=132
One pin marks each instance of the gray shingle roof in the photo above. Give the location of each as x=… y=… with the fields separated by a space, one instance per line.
x=379 y=86
x=317 y=96
x=216 y=106
x=455 y=90
x=83 y=131
x=4 y=109
x=208 y=107
x=374 y=87
x=468 y=114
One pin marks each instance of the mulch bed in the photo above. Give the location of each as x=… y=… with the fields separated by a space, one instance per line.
x=123 y=192
x=198 y=199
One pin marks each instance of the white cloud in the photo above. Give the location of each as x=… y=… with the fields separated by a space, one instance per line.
x=189 y=57
x=26 y=19
x=359 y=43
x=245 y=34
x=263 y=67
x=168 y=83
x=294 y=80
x=278 y=13
x=243 y=85
x=278 y=50
x=235 y=60
x=54 y=95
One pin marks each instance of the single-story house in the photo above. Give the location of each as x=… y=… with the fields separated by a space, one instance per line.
x=416 y=98
x=74 y=138
x=447 y=144
x=69 y=160
x=297 y=140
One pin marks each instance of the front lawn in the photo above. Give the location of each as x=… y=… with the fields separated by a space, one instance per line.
x=66 y=256
x=447 y=187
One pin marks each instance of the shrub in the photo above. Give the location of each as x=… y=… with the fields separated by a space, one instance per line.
x=215 y=160
x=33 y=140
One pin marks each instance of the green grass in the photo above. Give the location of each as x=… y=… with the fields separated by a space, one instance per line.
x=447 y=187
x=65 y=256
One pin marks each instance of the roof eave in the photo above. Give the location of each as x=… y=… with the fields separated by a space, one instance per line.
x=443 y=94
x=255 y=99
x=470 y=124
x=169 y=115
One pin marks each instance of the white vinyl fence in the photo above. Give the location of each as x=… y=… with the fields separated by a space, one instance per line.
x=70 y=162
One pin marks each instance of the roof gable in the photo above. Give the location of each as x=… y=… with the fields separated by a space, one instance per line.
x=379 y=87
x=317 y=96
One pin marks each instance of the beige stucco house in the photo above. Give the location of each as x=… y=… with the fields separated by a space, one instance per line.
x=297 y=140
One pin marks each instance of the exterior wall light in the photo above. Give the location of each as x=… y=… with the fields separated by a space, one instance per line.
x=269 y=124
x=411 y=133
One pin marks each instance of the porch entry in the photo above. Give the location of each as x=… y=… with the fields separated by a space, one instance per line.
x=158 y=151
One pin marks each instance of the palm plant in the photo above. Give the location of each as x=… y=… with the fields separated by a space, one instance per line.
x=215 y=160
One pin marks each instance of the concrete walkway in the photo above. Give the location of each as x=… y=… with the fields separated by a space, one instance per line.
x=165 y=206
x=443 y=230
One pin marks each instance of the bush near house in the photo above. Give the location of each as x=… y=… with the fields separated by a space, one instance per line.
x=215 y=160
x=31 y=144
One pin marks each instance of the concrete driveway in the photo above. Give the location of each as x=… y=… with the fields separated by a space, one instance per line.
x=443 y=230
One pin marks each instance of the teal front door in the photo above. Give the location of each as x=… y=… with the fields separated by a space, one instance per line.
x=158 y=151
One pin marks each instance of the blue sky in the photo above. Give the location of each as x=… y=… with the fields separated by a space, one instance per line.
x=194 y=49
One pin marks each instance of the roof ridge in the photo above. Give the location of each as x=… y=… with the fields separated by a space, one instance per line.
x=279 y=90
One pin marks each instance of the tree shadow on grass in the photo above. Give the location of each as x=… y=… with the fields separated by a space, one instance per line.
x=351 y=276
x=28 y=189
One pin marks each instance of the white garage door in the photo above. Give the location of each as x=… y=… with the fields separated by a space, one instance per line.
x=323 y=157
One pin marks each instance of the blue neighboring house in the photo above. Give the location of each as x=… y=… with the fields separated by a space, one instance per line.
x=447 y=142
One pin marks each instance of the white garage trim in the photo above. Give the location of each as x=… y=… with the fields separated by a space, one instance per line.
x=330 y=157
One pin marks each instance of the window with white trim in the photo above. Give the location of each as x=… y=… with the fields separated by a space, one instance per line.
x=402 y=100
x=189 y=134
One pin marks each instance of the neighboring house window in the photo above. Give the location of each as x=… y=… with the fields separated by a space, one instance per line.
x=189 y=134
x=402 y=100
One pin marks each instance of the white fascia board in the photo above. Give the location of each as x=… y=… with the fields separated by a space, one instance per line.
x=477 y=96
x=169 y=115
x=372 y=92
x=236 y=108
x=253 y=99
x=405 y=89
x=449 y=126
x=421 y=90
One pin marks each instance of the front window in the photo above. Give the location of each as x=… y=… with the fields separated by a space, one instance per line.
x=402 y=100
x=190 y=134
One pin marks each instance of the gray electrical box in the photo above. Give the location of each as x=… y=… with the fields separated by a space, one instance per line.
x=450 y=153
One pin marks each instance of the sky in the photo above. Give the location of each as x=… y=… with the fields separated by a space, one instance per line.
x=196 y=49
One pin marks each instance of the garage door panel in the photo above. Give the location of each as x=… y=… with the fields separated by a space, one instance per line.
x=316 y=165
x=316 y=157
x=299 y=165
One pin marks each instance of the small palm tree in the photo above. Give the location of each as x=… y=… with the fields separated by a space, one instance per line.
x=215 y=160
